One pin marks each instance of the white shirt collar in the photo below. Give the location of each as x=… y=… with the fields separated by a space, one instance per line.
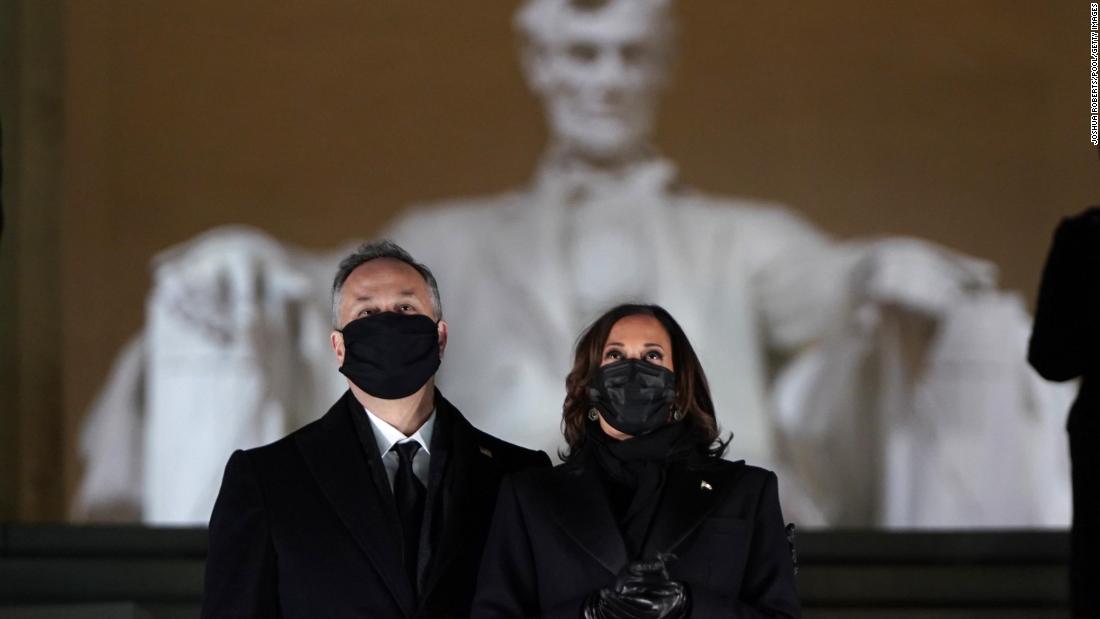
x=387 y=436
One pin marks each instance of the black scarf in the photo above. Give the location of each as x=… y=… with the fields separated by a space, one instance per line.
x=634 y=472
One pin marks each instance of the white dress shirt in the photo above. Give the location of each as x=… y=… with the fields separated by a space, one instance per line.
x=387 y=436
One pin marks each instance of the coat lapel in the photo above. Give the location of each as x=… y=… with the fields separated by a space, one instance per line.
x=449 y=462
x=463 y=485
x=689 y=497
x=578 y=503
x=345 y=475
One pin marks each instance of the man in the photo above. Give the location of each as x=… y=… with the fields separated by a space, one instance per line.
x=381 y=507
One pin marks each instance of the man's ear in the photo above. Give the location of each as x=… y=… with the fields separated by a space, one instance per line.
x=441 y=328
x=337 y=341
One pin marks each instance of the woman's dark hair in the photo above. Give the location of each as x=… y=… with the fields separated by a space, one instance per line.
x=692 y=392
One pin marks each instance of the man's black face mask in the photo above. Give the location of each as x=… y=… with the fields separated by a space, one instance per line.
x=390 y=355
x=634 y=396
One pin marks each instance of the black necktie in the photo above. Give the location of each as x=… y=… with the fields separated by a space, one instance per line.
x=409 y=494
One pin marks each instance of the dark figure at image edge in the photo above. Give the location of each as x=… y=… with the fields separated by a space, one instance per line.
x=1065 y=344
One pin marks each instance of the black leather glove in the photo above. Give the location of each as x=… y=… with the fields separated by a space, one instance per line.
x=642 y=590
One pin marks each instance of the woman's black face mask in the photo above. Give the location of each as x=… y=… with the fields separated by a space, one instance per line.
x=390 y=355
x=634 y=396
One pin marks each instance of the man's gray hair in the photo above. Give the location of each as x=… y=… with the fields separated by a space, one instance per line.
x=374 y=250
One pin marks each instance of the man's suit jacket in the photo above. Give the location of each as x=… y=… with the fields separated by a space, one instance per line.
x=554 y=541
x=307 y=527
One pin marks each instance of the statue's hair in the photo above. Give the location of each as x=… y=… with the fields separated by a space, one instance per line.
x=537 y=20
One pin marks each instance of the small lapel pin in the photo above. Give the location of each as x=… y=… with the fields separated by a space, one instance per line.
x=488 y=454
x=703 y=485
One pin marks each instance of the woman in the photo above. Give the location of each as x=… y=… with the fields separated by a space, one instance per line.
x=643 y=519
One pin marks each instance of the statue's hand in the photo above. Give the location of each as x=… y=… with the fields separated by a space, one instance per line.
x=222 y=282
x=918 y=276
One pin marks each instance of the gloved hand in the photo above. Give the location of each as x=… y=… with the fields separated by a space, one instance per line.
x=642 y=590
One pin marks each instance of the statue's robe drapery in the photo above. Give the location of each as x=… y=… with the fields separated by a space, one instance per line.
x=236 y=343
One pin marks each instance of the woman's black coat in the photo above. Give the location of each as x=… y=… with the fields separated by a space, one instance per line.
x=554 y=540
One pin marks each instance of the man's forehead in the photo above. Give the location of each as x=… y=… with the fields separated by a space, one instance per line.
x=377 y=292
x=384 y=276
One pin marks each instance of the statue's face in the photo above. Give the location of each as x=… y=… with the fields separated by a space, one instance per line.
x=599 y=79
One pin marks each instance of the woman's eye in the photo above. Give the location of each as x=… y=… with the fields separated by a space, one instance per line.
x=366 y=312
x=612 y=354
x=654 y=355
x=406 y=308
